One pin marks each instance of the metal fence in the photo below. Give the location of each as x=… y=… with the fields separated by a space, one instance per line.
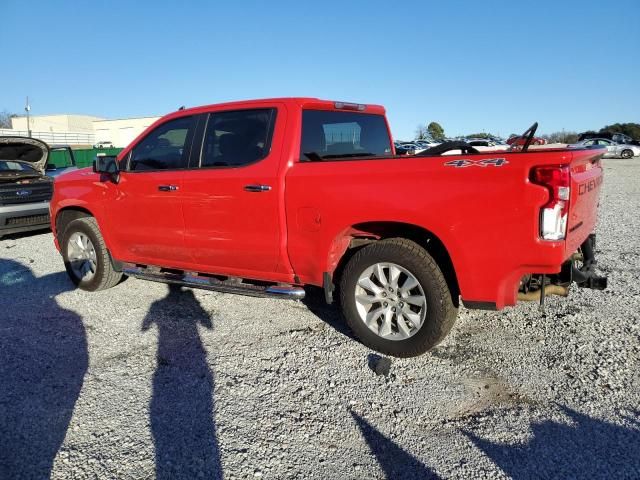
x=52 y=138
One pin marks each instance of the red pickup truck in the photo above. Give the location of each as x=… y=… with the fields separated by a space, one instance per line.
x=266 y=197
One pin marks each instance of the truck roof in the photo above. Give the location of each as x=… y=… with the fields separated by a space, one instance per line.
x=299 y=102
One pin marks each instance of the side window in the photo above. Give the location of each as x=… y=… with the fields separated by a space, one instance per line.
x=237 y=138
x=165 y=148
x=590 y=142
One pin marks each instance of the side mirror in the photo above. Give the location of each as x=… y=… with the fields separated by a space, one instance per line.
x=50 y=167
x=107 y=164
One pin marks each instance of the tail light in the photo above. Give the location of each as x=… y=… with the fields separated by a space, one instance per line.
x=554 y=214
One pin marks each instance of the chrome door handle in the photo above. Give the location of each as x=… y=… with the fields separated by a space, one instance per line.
x=167 y=188
x=257 y=188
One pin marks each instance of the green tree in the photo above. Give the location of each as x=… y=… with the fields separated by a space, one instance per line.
x=631 y=129
x=480 y=135
x=435 y=130
x=561 y=137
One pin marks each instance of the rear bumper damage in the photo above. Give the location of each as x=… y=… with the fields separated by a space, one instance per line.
x=586 y=276
x=579 y=269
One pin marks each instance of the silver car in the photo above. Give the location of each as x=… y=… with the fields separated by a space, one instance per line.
x=613 y=149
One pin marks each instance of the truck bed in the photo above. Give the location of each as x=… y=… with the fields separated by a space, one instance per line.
x=483 y=208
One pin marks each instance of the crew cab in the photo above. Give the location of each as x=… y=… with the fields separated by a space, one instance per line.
x=269 y=197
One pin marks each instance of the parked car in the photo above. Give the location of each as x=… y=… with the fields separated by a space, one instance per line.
x=620 y=138
x=53 y=170
x=284 y=194
x=481 y=142
x=404 y=150
x=25 y=190
x=104 y=144
x=518 y=141
x=407 y=148
x=427 y=143
x=613 y=149
x=486 y=145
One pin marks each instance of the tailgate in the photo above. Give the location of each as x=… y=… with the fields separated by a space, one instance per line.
x=586 y=181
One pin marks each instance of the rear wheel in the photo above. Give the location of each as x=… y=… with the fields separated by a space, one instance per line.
x=86 y=257
x=627 y=154
x=396 y=299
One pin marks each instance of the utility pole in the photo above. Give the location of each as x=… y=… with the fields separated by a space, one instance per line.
x=27 y=108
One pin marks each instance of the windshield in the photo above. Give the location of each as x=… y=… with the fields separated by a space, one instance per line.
x=13 y=166
x=331 y=134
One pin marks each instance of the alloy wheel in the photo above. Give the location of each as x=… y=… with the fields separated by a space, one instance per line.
x=390 y=301
x=82 y=256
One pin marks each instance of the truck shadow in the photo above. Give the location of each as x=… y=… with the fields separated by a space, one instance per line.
x=181 y=406
x=394 y=461
x=589 y=448
x=330 y=314
x=43 y=361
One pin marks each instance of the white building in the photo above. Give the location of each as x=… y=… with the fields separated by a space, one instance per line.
x=62 y=129
x=122 y=131
x=79 y=129
x=56 y=123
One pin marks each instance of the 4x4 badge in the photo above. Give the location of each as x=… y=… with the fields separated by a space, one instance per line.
x=487 y=162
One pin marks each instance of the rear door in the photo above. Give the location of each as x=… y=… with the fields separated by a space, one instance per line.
x=232 y=195
x=611 y=147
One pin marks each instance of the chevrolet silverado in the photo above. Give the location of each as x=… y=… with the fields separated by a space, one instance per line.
x=268 y=197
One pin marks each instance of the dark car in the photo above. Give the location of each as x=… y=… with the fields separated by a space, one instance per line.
x=25 y=189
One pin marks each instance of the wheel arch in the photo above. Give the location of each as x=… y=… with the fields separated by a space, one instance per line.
x=350 y=240
x=630 y=150
x=66 y=215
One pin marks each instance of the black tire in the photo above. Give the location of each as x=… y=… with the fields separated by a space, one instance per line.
x=627 y=154
x=441 y=310
x=105 y=276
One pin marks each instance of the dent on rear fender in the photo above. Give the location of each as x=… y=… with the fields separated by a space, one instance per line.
x=337 y=250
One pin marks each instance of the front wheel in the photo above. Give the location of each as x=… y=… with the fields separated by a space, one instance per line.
x=396 y=299
x=627 y=154
x=86 y=257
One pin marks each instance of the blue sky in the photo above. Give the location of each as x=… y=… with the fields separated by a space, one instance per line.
x=472 y=66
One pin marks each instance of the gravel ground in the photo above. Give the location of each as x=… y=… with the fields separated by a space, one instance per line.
x=140 y=381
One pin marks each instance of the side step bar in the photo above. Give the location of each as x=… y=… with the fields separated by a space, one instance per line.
x=232 y=285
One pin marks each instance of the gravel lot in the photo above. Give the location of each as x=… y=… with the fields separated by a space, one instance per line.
x=139 y=381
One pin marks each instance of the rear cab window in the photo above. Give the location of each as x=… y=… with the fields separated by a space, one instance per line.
x=334 y=135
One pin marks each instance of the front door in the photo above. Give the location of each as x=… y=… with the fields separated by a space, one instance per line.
x=146 y=213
